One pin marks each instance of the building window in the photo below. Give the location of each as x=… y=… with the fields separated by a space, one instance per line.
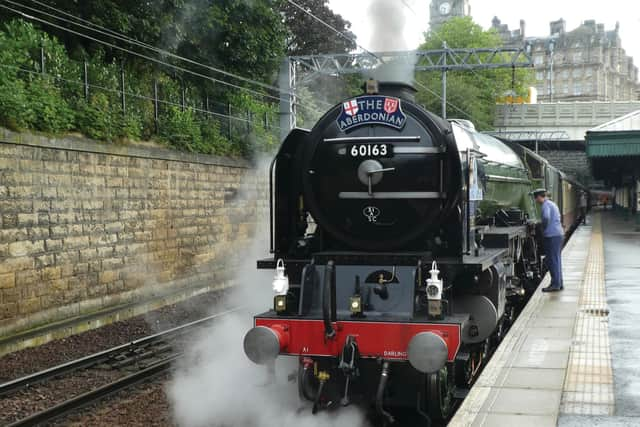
x=565 y=74
x=577 y=88
x=565 y=88
x=589 y=72
x=577 y=72
x=539 y=59
x=577 y=57
x=540 y=75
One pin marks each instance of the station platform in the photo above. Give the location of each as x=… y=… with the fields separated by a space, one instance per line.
x=572 y=357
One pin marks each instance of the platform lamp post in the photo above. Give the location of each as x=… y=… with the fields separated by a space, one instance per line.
x=636 y=200
x=551 y=51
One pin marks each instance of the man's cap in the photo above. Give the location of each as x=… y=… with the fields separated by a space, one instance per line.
x=539 y=192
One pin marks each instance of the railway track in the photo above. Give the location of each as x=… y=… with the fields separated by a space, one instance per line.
x=122 y=367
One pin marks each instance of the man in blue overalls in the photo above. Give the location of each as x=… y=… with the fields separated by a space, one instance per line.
x=553 y=238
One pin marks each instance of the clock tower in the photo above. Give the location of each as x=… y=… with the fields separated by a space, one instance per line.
x=442 y=10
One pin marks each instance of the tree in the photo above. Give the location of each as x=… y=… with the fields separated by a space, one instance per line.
x=149 y=21
x=475 y=93
x=242 y=37
x=307 y=36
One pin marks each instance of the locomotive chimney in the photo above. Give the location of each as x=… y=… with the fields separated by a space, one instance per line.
x=400 y=90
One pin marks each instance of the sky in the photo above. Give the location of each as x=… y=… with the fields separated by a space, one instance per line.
x=536 y=13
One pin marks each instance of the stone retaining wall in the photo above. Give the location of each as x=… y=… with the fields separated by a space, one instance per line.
x=85 y=225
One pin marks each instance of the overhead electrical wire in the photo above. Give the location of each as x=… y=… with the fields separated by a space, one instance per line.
x=376 y=56
x=482 y=80
x=334 y=29
x=138 y=54
x=123 y=37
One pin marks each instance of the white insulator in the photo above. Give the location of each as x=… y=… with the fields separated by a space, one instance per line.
x=280 y=281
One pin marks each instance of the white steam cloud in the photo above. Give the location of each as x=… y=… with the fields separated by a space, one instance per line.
x=217 y=386
x=388 y=18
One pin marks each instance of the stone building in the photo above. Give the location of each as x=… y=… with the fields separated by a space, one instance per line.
x=442 y=10
x=586 y=64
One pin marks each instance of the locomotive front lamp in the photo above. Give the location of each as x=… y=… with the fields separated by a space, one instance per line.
x=280 y=281
x=355 y=304
x=280 y=303
x=434 y=292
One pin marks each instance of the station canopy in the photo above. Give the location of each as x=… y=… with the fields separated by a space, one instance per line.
x=613 y=149
x=619 y=137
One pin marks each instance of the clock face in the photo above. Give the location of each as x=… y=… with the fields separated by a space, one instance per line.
x=445 y=8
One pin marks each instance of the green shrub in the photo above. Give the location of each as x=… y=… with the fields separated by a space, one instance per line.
x=131 y=126
x=51 y=111
x=55 y=102
x=212 y=139
x=180 y=129
x=95 y=118
x=15 y=112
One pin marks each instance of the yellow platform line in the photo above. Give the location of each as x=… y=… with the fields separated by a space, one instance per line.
x=588 y=386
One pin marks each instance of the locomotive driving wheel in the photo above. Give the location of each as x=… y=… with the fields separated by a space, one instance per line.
x=439 y=395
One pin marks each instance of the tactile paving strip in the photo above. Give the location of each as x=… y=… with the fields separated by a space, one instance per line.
x=588 y=386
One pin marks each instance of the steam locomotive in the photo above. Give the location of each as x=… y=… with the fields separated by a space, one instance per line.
x=404 y=246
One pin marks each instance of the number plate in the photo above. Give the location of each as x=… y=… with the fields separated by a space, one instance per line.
x=371 y=150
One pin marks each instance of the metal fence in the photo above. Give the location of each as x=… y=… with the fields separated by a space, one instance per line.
x=155 y=96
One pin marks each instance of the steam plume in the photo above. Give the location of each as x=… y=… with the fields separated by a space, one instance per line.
x=389 y=21
x=216 y=385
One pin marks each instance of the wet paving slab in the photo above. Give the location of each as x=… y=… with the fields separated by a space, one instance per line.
x=523 y=383
x=574 y=359
x=621 y=317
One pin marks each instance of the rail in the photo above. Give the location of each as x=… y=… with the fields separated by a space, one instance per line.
x=120 y=356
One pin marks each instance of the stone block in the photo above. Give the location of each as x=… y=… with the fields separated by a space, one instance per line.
x=67 y=270
x=29 y=305
x=16 y=264
x=115 y=287
x=58 y=231
x=112 y=263
x=81 y=268
x=77 y=242
x=13 y=234
x=95 y=267
x=51 y=273
x=114 y=227
x=105 y=252
x=92 y=204
x=53 y=245
x=7 y=280
x=58 y=285
x=38 y=233
x=27 y=278
x=107 y=277
x=44 y=260
x=88 y=254
x=27 y=220
x=10 y=294
x=8 y=310
x=25 y=247
x=67 y=257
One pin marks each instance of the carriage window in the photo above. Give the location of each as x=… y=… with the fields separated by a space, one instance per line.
x=535 y=166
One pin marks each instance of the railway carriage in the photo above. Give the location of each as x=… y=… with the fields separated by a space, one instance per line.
x=404 y=245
